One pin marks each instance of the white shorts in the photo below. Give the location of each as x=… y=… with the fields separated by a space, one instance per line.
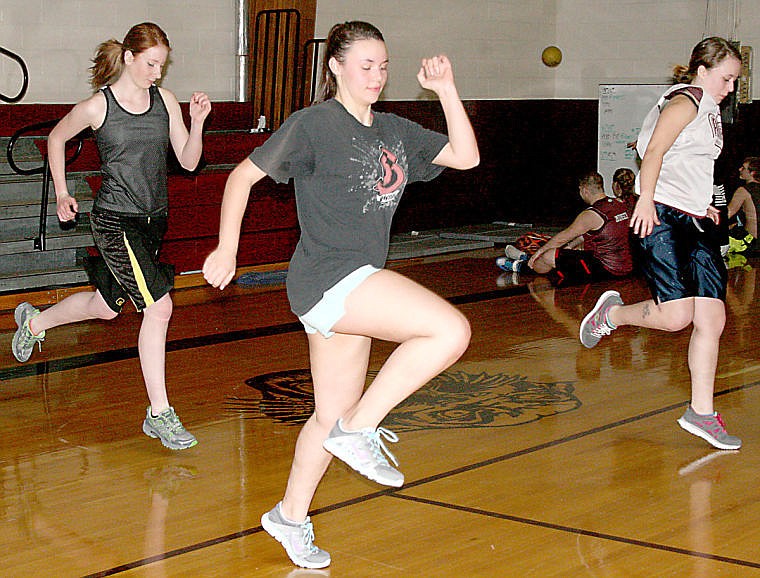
x=331 y=307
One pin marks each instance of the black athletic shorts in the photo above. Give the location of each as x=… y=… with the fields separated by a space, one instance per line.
x=128 y=265
x=681 y=257
x=573 y=266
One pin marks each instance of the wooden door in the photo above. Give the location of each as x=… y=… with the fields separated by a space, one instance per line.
x=277 y=32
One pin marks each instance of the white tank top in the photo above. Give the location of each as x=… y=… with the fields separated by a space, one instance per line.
x=686 y=177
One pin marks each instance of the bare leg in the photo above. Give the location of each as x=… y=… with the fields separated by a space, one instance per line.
x=77 y=307
x=151 y=345
x=709 y=321
x=708 y=317
x=339 y=371
x=431 y=335
x=430 y=332
x=668 y=316
x=544 y=263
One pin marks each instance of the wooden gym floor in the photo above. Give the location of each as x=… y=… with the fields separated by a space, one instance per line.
x=531 y=456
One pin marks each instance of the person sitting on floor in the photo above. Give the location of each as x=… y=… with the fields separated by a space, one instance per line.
x=595 y=246
x=743 y=206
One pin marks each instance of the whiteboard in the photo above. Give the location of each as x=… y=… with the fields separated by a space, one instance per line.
x=622 y=108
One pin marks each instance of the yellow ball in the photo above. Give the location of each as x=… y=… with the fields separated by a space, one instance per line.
x=551 y=56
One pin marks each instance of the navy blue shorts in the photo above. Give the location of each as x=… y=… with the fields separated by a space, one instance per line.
x=129 y=265
x=681 y=257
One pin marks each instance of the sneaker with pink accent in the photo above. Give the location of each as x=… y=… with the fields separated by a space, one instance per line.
x=596 y=324
x=710 y=428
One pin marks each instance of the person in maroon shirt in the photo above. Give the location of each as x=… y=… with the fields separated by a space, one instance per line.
x=596 y=245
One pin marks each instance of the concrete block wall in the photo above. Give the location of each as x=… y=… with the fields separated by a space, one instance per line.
x=495 y=44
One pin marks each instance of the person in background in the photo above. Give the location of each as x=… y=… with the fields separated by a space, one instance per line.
x=743 y=207
x=350 y=166
x=623 y=185
x=134 y=121
x=595 y=246
x=680 y=139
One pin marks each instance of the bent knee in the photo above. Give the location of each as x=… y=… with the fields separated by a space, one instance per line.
x=99 y=309
x=677 y=320
x=456 y=335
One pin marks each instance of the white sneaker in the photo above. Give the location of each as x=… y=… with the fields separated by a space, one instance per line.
x=363 y=451
x=514 y=254
x=297 y=539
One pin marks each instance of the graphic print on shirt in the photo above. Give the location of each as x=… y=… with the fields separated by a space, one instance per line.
x=717 y=131
x=383 y=174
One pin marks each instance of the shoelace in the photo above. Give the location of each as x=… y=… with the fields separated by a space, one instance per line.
x=307 y=535
x=601 y=330
x=28 y=338
x=378 y=446
x=172 y=421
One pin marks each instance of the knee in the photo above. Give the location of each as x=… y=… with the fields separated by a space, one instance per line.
x=457 y=335
x=677 y=319
x=99 y=309
x=108 y=314
x=713 y=323
x=160 y=310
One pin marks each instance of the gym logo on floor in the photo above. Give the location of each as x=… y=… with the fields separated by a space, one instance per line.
x=454 y=399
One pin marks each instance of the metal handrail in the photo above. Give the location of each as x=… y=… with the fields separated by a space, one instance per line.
x=33 y=129
x=44 y=170
x=24 y=71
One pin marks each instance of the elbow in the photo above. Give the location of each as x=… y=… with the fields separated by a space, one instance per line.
x=469 y=162
x=190 y=165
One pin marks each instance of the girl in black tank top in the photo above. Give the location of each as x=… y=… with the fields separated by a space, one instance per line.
x=132 y=120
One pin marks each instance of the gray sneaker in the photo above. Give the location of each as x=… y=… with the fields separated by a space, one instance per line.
x=167 y=427
x=24 y=340
x=297 y=539
x=514 y=254
x=363 y=451
x=596 y=325
x=710 y=428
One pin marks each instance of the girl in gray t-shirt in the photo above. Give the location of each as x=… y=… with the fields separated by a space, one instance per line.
x=350 y=166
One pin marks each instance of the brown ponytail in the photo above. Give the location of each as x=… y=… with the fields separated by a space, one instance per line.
x=108 y=63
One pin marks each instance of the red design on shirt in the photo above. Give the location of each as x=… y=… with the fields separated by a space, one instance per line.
x=393 y=173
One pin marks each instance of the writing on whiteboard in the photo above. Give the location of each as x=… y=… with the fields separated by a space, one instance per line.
x=622 y=108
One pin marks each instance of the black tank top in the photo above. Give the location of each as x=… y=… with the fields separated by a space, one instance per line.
x=133 y=151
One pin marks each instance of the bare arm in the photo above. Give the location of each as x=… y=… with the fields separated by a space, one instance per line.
x=461 y=152
x=586 y=221
x=742 y=201
x=673 y=119
x=188 y=146
x=89 y=113
x=219 y=267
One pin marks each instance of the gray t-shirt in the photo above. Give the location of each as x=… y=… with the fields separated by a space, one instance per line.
x=349 y=179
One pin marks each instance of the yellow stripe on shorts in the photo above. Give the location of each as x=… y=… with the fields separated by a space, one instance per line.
x=142 y=286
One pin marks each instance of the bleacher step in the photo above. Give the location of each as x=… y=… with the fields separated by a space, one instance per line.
x=47 y=279
x=52 y=243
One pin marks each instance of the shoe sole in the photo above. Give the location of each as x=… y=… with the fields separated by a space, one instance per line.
x=14 y=346
x=692 y=429
x=336 y=451
x=272 y=530
x=599 y=302
x=150 y=432
x=509 y=269
x=18 y=317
